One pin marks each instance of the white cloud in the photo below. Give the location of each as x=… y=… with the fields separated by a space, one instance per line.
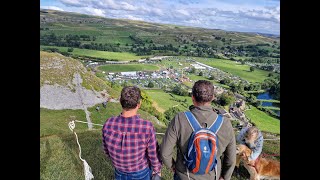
x=52 y=7
x=183 y=12
x=133 y=18
x=74 y=3
x=127 y=6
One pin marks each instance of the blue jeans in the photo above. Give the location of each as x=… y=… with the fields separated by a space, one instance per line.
x=176 y=177
x=139 y=175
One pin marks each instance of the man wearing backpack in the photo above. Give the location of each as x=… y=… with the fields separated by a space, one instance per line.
x=202 y=138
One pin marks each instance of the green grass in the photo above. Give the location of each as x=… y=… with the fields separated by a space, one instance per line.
x=59 y=151
x=59 y=157
x=53 y=122
x=270 y=107
x=128 y=67
x=164 y=101
x=269 y=100
x=120 y=56
x=237 y=69
x=263 y=121
x=196 y=78
x=255 y=92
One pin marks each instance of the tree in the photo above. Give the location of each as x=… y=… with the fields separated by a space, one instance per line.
x=178 y=90
x=242 y=62
x=251 y=69
x=171 y=67
x=270 y=75
x=211 y=77
x=170 y=113
x=225 y=81
x=193 y=70
x=70 y=49
x=150 y=85
x=226 y=99
x=201 y=73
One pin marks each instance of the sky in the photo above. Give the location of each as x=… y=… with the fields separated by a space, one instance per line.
x=262 y=16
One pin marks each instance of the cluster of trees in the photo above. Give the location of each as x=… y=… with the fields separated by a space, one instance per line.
x=225 y=98
x=178 y=90
x=143 y=50
x=75 y=41
x=44 y=29
x=170 y=113
x=264 y=60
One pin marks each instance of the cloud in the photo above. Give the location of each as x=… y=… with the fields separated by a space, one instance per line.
x=52 y=7
x=95 y=12
x=133 y=18
x=74 y=3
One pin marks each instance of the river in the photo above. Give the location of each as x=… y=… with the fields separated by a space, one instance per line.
x=267 y=96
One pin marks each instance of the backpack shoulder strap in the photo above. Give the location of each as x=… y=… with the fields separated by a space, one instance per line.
x=192 y=121
x=216 y=124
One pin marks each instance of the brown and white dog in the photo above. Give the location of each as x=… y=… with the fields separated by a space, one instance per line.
x=263 y=168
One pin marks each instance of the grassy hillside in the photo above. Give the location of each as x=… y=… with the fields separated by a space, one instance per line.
x=128 y=67
x=58 y=69
x=263 y=121
x=119 y=56
x=59 y=153
x=118 y=32
x=238 y=69
x=163 y=101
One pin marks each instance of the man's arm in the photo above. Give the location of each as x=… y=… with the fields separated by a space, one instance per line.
x=240 y=136
x=168 y=142
x=257 y=150
x=105 y=147
x=229 y=160
x=152 y=152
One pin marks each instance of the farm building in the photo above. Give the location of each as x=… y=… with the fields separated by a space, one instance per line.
x=197 y=66
x=129 y=73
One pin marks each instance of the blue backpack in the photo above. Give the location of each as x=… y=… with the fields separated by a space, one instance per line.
x=203 y=146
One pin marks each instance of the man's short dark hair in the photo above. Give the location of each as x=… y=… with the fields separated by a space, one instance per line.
x=202 y=91
x=130 y=97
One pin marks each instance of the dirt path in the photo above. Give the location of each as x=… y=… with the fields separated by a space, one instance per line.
x=77 y=81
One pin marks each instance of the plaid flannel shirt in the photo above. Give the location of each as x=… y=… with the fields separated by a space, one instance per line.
x=131 y=144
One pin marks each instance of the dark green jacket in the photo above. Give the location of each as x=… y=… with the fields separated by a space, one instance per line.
x=178 y=133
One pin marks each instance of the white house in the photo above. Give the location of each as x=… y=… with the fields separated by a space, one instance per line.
x=129 y=73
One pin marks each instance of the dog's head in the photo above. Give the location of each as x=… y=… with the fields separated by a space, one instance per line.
x=243 y=151
x=250 y=136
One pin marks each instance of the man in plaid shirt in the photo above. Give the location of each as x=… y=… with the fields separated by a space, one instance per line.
x=130 y=141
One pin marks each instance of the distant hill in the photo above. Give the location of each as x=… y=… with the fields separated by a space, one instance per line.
x=125 y=33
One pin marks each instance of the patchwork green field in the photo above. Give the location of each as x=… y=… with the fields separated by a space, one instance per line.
x=263 y=121
x=128 y=67
x=238 y=69
x=119 y=56
x=163 y=101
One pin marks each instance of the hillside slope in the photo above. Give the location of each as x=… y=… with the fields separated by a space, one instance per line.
x=107 y=30
x=66 y=84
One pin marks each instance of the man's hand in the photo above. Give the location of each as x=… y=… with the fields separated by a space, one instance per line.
x=173 y=168
x=221 y=178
